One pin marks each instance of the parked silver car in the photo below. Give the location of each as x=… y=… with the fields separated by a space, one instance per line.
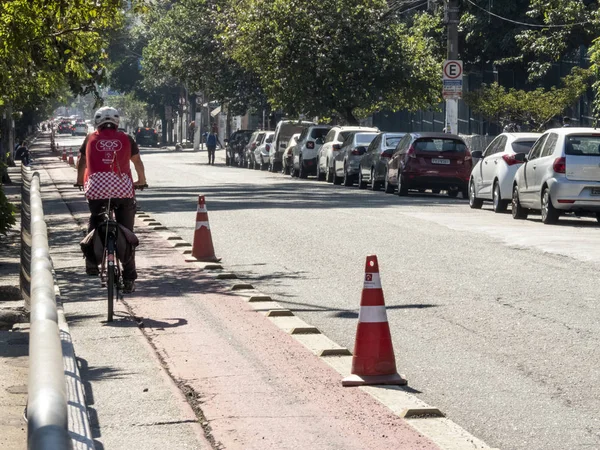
x=256 y=139
x=330 y=148
x=262 y=152
x=347 y=160
x=284 y=130
x=373 y=166
x=561 y=173
x=304 y=154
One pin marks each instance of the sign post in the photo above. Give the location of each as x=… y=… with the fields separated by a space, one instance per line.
x=452 y=79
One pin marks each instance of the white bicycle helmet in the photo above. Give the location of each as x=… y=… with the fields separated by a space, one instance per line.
x=105 y=115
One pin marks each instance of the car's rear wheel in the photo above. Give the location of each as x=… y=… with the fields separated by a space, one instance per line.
x=362 y=184
x=500 y=205
x=474 y=202
x=518 y=212
x=334 y=178
x=550 y=214
x=329 y=174
x=388 y=187
x=302 y=170
x=402 y=186
x=320 y=174
x=347 y=179
x=375 y=185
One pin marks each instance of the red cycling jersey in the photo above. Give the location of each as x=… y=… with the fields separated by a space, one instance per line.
x=107 y=156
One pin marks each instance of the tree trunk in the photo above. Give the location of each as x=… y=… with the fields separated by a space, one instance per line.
x=348 y=116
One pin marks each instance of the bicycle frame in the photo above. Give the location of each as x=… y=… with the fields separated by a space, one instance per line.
x=110 y=270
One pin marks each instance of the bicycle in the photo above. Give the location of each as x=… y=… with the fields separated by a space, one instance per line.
x=110 y=268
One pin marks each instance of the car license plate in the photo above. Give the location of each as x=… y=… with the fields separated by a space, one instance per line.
x=595 y=191
x=440 y=161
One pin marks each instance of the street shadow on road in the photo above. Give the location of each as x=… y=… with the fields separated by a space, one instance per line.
x=341 y=313
x=284 y=195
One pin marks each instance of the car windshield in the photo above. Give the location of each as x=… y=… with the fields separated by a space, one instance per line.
x=364 y=138
x=587 y=145
x=392 y=141
x=522 y=146
x=439 y=145
x=317 y=133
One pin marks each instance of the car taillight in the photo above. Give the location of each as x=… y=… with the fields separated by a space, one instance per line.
x=560 y=165
x=310 y=145
x=267 y=148
x=510 y=160
x=411 y=153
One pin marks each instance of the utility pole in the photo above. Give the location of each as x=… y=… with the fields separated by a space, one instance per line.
x=451 y=18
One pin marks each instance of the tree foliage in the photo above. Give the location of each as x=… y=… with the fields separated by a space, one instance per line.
x=49 y=44
x=534 y=109
x=332 y=56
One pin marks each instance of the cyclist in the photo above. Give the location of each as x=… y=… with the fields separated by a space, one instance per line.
x=103 y=169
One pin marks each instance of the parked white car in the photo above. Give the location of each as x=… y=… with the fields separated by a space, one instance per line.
x=284 y=130
x=492 y=177
x=331 y=146
x=262 y=152
x=561 y=173
x=304 y=153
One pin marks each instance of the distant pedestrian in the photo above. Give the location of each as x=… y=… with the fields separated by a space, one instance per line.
x=211 y=145
x=566 y=122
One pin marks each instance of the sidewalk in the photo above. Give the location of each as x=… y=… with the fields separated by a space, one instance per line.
x=14 y=340
x=188 y=364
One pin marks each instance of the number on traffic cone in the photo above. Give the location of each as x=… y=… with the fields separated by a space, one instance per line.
x=203 y=249
x=373 y=361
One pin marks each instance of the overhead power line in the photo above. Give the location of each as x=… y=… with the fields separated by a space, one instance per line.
x=532 y=25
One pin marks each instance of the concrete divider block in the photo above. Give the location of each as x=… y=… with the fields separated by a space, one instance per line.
x=280 y=313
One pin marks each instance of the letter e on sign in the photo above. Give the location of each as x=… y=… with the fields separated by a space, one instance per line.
x=453 y=70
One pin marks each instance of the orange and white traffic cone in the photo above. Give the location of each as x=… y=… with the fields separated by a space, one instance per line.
x=373 y=361
x=71 y=160
x=202 y=248
x=64 y=154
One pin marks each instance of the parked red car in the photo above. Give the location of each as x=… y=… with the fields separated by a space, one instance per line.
x=435 y=161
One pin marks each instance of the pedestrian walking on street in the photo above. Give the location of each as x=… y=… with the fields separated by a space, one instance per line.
x=103 y=170
x=211 y=145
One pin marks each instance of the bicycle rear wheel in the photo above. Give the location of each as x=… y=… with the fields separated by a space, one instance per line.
x=111 y=280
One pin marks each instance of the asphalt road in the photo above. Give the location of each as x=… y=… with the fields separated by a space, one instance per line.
x=494 y=321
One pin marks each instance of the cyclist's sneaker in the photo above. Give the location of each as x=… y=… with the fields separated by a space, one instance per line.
x=128 y=286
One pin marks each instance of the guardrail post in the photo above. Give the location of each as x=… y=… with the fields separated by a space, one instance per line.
x=47 y=418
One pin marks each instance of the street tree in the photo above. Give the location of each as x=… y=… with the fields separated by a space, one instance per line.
x=183 y=49
x=534 y=108
x=332 y=57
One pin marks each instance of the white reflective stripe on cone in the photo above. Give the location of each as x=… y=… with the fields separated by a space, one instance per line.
x=201 y=209
x=372 y=314
x=372 y=281
x=202 y=224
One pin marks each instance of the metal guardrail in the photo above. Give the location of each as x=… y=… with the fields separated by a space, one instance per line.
x=47 y=418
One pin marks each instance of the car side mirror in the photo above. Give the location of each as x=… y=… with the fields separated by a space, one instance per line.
x=477 y=154
x=521 y=157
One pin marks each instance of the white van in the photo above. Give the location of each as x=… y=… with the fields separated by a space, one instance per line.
x=283 y=132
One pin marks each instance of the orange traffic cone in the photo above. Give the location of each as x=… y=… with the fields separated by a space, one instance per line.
x=64 y=154
x=203 y=249
x=71 y=160
x=373 y=361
